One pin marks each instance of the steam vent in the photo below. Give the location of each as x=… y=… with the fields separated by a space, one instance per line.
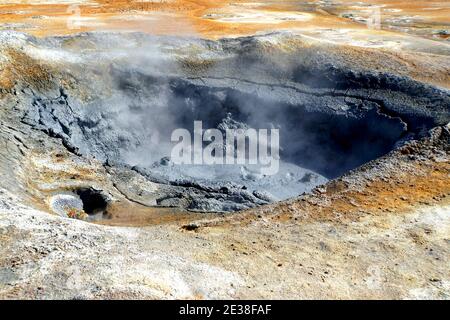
x=224 y=150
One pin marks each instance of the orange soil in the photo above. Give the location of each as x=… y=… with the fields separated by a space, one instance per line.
x=23 y=67
x=189 y=16
x=397 y=194
x=135 y=215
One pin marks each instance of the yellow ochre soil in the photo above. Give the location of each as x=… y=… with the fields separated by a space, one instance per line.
x=207 y=18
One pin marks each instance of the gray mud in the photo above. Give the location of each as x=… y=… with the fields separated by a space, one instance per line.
x=128 y=94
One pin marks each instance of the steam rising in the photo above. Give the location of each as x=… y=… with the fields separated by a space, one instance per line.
x=140 y=89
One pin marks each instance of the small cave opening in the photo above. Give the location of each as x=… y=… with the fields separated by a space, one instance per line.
x=95 y=203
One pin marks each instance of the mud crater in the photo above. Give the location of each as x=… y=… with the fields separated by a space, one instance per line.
x=331 y=120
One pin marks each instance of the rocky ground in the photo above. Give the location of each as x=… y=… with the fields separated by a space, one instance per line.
x=92 y=208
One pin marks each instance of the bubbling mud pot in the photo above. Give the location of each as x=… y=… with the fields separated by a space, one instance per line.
x=121 y=102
